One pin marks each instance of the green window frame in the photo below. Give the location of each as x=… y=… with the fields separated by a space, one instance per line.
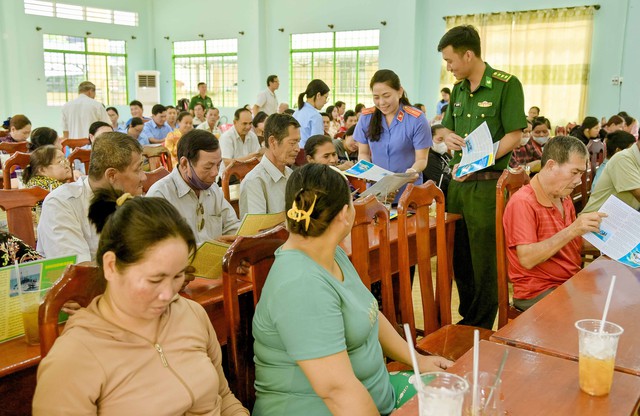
x=344 y=60
x=70 y=60
x=213 y=61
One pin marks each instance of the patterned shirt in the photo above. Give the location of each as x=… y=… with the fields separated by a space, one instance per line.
x=522 y=155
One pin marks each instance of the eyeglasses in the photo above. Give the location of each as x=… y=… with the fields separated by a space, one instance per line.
x=200 y=214
x=63 y=162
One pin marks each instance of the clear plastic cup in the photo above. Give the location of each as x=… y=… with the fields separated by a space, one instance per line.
x=597 y=355
x=443 y=395
x=30 y=304
x=490 y=399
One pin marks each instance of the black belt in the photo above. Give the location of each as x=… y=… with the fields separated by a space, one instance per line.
x=488 y=175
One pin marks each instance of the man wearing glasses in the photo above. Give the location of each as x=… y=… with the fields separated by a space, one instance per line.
x=191 y=188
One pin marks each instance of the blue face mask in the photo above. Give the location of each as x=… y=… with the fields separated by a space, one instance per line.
x=195 y=182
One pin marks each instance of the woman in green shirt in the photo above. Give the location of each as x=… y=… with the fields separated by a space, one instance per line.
x=320 y=341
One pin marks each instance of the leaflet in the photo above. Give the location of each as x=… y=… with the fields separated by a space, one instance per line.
x=388 y=184
x=619 y=236
x=253 y=224
x=478 y=152
x=368 y=171
x=208 y=259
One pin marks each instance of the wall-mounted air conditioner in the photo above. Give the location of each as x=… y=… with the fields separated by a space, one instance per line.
x=148 y=89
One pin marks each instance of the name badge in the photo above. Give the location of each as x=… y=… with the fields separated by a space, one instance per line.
x=485 y=104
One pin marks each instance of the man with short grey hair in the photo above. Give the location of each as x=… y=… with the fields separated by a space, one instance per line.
x=64 y=229
x=79 y=114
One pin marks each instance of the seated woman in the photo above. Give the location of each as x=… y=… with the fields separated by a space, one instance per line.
x=19 y=129
x=588 y=130
x=320 y=341
x=139 y=348
x=48 y=168
x=43 y=136
x=529 y=154
x=185 y=125
x=438 y=169
x=614 y=123
x=13 y=249
x=320 y=149
x=615 y=141
x=258 y=126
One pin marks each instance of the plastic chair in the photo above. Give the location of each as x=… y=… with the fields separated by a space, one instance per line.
x=17 y=160
x=19 y=204
x=508 y=183
x=153 y=177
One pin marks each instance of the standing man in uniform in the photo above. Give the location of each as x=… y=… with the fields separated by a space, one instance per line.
x=201 y=98
x=480 y=94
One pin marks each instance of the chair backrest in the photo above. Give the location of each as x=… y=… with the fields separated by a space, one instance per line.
x=372 y=216
x=74 y=143
x=78 y=283
x=4 y=133
x=83 y=155
x=597 y=154
x=19 y=203
x=258 y=252
x=436 y=304
x=239 y=169
x=359 y=184
x=158 y=156
x=508 y=183
x=17 y=160
x=153 y=177
x=13 y=147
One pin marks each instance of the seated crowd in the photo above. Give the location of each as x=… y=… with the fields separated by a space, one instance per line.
x=320 y=340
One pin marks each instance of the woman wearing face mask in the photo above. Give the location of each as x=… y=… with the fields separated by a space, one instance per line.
x=308 y=112
x=438 y=169
x=530 y=154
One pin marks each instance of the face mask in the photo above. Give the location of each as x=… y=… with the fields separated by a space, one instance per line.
x=524 y=140
x=195 y=182
x=541 y=140
x=439 y=148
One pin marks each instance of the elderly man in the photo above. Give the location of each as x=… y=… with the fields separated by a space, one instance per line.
x=78 y=114
x=191 y=188
x=63 y=229
x=262 y=190
x=543 y=236
x=212 y=119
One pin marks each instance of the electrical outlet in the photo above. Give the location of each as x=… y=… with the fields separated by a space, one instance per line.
x=616 y=80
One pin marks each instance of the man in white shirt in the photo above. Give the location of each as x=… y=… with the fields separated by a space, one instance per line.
x=64 y=229
x=262 y=190
x=267 y=100
x=212 y=118
x=239 y=142
x=191 y=188
x=78 y=114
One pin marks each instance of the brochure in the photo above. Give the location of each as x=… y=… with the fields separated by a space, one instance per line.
x=368 y=171
x=478 y=152
x=208 y=259
x=253 y=224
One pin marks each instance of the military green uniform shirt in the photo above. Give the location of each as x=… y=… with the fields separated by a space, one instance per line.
x=498 y=100
x=206 y=102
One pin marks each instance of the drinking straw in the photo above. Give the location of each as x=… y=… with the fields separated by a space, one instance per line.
x=15 y=263
x=607 y=303
x=414 y=361
x=498 y=376
x=476 y=361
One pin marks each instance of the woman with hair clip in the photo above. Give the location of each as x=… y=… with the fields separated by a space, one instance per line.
x=139 y=348
x=320 y=340
x=308 y=112
x=392 y=134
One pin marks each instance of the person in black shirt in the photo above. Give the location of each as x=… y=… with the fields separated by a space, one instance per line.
x=438 y=169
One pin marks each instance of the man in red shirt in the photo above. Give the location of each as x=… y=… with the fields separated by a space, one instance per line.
x=543 y=236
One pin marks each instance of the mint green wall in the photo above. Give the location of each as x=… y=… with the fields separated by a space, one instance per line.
x=407 y=43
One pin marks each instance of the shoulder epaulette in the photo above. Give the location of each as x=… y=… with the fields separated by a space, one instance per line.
x=412 y=111
x=458 y=81
x=369 y=110
x=502 y=76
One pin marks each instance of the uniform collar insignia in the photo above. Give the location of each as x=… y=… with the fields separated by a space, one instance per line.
x=400 y=115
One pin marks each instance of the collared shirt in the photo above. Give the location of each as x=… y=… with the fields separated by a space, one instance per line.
x=197 y=99
x=262 y=190
x=310 y=122
x=79 y=114
x=498 y=100
x=530 y=217
x=64 y=228
x=215 y=130
x=396 y=149
x=522 y=155
x=219 y=216
x=152 y=130
x=267 y=101
x=620 y=177
x=343 y=154
x=233 y=147
x=441 y=104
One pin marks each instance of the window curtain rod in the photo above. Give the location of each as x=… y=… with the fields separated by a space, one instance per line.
x=595 y=6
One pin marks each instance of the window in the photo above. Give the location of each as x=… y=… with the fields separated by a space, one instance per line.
x=345 y=61
x=212 y=61
x=77 y=12
x=533 y=45
x=69 y=60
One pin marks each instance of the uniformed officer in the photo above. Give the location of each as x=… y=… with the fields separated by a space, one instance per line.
x=480 y=94
x=393 y=135
x=201 y=98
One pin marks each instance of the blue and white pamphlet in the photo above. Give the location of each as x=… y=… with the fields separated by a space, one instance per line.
x=478 y=152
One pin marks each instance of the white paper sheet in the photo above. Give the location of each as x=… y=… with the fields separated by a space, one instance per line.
x=367 y=170
x=478 y=153
x=619 y=236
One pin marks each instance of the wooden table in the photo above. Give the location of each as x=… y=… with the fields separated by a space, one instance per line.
x=539 y=384
x=548 y=326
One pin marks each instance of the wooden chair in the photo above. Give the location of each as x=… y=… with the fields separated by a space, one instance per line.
x=259 y=253
x=83 y=155
x=4 y=133
x=581 y=193
x=597 y=154
x=17 y=160
x=239 y=169
x=508 y=183
x=371 y=214
x=78 y=283
x=11 y=148
x=19 y=203
x=441 y=336
x=153 y=177
x=74 y=143
x=158 y=156
x=359 y=185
